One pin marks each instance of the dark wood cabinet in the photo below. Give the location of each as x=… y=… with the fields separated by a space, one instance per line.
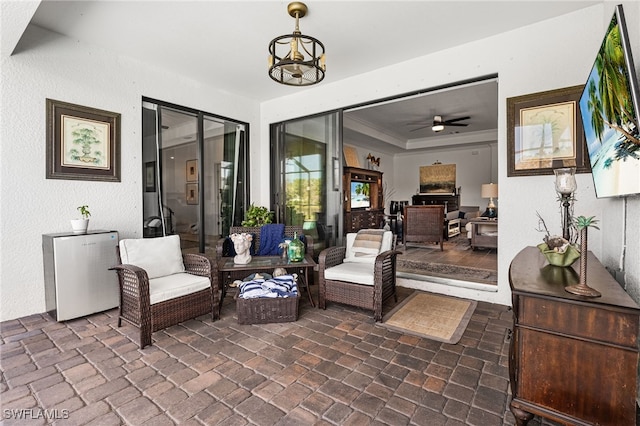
x=572 y=359
x=450 y=201
x=372 y=216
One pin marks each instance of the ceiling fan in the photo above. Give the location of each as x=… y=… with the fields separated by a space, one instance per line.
x=439 y=124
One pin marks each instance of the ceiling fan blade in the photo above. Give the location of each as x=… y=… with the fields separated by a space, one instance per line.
x=417 y=123
x=453 y=120
x=420 y=128
x=455 y=124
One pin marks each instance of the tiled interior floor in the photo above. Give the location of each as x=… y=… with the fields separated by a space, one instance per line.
x=330 y=367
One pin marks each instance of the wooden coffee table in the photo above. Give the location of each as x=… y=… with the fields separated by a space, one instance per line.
x=229 y=271
x=484 y=233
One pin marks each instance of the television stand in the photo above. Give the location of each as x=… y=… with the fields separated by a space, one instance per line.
x=361 y=218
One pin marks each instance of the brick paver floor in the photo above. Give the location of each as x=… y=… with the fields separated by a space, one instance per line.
x=330 y=367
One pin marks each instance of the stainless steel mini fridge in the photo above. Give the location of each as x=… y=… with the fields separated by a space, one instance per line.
x=76 y=273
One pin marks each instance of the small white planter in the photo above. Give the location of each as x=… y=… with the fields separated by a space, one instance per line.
x=79 y=226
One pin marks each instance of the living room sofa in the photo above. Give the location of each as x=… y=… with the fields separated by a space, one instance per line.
x=464 y=213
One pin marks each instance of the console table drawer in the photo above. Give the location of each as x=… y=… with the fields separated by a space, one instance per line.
x=579 y=321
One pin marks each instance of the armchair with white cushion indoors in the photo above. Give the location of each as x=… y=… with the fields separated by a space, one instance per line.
x=362 y=273
x=161 y=287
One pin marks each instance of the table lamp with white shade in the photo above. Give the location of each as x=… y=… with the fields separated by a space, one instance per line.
x=490 y=191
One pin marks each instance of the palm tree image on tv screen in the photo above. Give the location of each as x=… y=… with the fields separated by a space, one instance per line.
x=609 y=109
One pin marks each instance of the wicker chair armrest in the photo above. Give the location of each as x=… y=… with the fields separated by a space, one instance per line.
x=331 y=256
x=197 y=264
x=134 y=270
x=387 y=254
x=134 y=275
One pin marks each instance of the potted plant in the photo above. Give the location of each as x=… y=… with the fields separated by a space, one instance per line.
x=257 y=216
x=556 y=249
x=80 y=226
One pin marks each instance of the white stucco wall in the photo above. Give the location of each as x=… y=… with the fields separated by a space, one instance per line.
x=550 y=55
x=65 y=70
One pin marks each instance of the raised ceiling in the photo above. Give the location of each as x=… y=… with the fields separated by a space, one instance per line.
x=224 y=44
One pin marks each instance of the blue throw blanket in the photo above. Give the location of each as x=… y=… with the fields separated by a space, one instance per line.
x=270 y=237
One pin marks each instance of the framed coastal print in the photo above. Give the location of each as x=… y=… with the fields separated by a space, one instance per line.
x=83 y=143
x=192 y=170
x=192 y=193
x=544 y=132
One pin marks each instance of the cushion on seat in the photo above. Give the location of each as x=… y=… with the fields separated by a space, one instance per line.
x=157 y=256
x=354 y=272
x=175 y=285
x=350 y=255
x=367 y=242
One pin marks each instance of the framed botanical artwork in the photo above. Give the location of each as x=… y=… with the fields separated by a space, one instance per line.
x=83 y=143
x=192 y=193
x=192 y=170
x=544 y=132
x=150 y=176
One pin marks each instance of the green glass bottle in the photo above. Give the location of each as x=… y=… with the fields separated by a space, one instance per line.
x=296 y=249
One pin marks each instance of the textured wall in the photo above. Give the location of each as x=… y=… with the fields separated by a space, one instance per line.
x=549 y=55
x=49 y=66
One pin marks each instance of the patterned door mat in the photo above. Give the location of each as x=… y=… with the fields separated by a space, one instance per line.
x=434 y=316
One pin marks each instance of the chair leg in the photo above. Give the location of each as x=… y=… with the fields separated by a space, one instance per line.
x=145 y=336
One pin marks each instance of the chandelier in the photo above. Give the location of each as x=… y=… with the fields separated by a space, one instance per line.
x=296 y=59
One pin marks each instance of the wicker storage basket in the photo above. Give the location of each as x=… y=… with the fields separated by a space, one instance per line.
x=263 y=310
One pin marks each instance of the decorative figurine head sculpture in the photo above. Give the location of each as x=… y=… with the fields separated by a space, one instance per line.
x=241 y=244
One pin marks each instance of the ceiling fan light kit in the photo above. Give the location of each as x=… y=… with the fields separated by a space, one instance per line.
x=439 y=124
x=296 y=59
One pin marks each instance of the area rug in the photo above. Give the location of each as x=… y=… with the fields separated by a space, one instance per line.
x=433 y=316
x=446 y=270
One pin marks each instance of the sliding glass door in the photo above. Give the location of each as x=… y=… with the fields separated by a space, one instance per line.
x=306 y=176
x=195 y=182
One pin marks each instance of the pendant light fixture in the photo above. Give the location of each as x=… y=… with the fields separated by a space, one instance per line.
x=296 y=59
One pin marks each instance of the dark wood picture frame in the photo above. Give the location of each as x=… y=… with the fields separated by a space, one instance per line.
x=192 y=171
x=72 y=132
x=192 y=195
x=150 y=176
x=542 y=122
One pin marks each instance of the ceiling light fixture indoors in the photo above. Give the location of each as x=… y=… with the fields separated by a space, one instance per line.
x=296 y=59
x=437 y=124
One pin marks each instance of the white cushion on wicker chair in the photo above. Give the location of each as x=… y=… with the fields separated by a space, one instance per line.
x=159 y=257
x=354 y=272
x=350 y=256
x=176 y=285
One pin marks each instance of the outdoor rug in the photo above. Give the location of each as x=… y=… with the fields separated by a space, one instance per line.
x=433 y=316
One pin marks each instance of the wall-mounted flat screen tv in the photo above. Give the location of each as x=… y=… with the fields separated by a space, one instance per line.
x=610 y=107
x=360 y=193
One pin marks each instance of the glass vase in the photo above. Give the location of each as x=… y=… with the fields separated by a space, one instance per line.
x=296 y=249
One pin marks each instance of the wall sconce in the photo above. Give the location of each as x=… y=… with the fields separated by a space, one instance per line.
x=566 y=186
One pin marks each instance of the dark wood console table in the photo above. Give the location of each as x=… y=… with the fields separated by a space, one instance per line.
x=572 y=359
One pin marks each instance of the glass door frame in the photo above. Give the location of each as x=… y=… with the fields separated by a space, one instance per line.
x=333 y=170
x=200 y=142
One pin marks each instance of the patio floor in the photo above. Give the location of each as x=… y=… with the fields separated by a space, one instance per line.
x=332 y=367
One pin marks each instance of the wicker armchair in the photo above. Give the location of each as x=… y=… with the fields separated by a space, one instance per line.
x=223 y=246
x=423 y=224
x=150 y=300
x=367 y=284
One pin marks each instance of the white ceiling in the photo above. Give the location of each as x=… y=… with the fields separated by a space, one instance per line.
x=224 y=43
